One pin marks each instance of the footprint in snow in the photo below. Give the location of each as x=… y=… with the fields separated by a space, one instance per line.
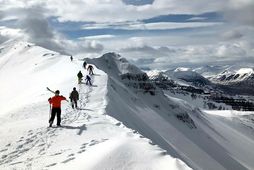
x=3 y=150
x=93 y=142
x=4 y=156
x=9 y=144
x=81 y=151
x=83 y=147
x=43 y=144
x=59 y=153
x=68 y=160
x=71 y=155
x=19 y=146
x=50 y=165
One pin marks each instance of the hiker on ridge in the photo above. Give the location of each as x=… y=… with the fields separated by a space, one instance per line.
x=80 y=76
x=55 y=102
x=74 y=97
x=90 y=69
x=88 y=80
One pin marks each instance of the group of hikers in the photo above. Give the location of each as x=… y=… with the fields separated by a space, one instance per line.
x=88 y=78
x=55 y=101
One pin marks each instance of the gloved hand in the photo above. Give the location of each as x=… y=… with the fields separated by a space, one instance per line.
x=49 y=99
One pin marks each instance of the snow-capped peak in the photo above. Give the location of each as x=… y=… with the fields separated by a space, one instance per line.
x=245 y=71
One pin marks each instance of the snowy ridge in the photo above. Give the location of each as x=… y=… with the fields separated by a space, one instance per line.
x=89 y=139
x=124 y=120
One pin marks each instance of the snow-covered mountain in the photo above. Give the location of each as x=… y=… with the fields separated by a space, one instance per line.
x=209 y=70
x=188 y=76
x=227 y=76
x=124 y=122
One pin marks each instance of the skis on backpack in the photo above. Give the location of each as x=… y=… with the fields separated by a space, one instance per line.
x=50 y=90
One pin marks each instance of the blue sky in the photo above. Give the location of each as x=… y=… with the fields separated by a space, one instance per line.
x=160 y=32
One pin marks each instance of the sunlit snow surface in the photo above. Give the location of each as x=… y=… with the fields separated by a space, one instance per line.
x=116 y=127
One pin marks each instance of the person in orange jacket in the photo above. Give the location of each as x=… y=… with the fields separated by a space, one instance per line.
x=55 y=102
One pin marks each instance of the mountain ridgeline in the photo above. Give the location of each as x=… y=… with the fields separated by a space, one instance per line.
x=125 y=118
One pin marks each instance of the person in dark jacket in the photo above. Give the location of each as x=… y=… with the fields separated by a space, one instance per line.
x=74 y=97
x=90 y=69
x=55 y=102
x=88 y=80
x=80 y=76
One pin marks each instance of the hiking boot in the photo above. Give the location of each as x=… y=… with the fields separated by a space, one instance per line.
x=50 y=124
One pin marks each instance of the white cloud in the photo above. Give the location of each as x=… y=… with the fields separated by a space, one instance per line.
x=149 y=26
x=97 y=37
x=162 y=49
x=115 y=10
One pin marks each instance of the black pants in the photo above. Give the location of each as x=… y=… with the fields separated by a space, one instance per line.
x=88 y=82
x=74 y=103
x=55 y=112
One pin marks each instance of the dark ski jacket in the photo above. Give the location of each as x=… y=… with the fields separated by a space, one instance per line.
x=74 y=95
x=80 y=75
x=90 y=67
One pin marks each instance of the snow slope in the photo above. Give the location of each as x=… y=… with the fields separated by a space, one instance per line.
x=193 y=138
x=89 y=138
x=120 y=124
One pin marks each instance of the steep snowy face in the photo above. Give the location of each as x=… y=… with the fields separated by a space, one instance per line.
x=120 y=69
x=185 y=132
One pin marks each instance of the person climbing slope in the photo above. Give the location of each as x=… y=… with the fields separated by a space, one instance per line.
x=88 y=80
x=55 y=102
x=90 y=69
x=80 y=76
x=74 y=97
